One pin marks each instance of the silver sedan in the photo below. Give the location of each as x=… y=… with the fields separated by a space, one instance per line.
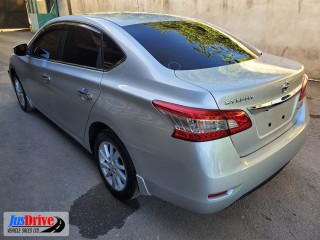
x=168 y=106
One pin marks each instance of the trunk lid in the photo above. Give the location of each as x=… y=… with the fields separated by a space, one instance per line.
x=251 y=86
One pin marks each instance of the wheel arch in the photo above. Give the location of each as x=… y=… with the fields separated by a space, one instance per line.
x=94 y=129
x=12 y=72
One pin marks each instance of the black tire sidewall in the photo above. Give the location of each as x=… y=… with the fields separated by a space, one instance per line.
x=130 y=189
x=25 y=107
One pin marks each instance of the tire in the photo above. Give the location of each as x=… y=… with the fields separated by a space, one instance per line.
x=115 y=166
x=24 y=102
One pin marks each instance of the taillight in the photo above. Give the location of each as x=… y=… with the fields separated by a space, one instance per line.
x=303 y=90
x=199 y=125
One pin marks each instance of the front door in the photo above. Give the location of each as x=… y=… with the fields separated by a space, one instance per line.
x=41 y=67
x=77 y=85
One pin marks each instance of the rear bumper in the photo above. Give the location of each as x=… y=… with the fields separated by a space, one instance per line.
x=191 y=171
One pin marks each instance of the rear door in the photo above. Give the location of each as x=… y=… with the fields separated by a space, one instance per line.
x=76 y=86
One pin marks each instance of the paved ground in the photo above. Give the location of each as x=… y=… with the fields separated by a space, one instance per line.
x=43 y=169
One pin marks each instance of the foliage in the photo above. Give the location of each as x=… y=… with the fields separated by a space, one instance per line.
x=204 y=39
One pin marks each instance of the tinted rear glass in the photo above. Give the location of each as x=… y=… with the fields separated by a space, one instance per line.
x=82 y=47
x=186 y=45
x=112 y=54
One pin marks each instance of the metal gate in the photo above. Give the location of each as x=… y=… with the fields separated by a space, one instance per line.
x=41 y=11
x=13 y=14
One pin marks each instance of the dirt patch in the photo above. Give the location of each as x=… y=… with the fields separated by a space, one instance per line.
x=314 y=116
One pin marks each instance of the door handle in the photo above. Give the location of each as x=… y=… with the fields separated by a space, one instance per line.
x=45 y=78
x=84 y=94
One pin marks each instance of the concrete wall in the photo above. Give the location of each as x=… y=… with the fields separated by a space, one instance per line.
x=288 y=28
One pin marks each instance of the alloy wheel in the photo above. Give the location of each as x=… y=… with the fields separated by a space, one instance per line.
x=20 y=93
x=112 y=166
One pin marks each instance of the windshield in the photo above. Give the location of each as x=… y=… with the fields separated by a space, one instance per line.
x=187 y=45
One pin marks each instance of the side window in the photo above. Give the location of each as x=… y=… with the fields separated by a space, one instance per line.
x=112 y=54
x=47 y=45
x=82 y=47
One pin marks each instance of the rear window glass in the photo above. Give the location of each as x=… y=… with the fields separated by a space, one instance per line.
x=82 y=47
x=186 y=45
x=112 y=54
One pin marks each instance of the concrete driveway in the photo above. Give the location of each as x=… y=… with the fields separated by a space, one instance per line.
x=43 y=169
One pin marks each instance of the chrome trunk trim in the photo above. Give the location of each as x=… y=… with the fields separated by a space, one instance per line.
x=268 y=105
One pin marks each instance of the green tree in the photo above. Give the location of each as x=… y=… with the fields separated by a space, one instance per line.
x=204 y=39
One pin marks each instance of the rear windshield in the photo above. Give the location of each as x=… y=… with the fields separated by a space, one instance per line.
x=187 y=45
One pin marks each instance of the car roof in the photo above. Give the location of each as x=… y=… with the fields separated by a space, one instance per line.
x=131 y=18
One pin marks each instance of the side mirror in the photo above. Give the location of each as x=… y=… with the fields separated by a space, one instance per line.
x=21 y=49
x=40 y=52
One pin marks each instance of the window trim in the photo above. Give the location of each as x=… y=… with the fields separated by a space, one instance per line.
x=62 y=42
